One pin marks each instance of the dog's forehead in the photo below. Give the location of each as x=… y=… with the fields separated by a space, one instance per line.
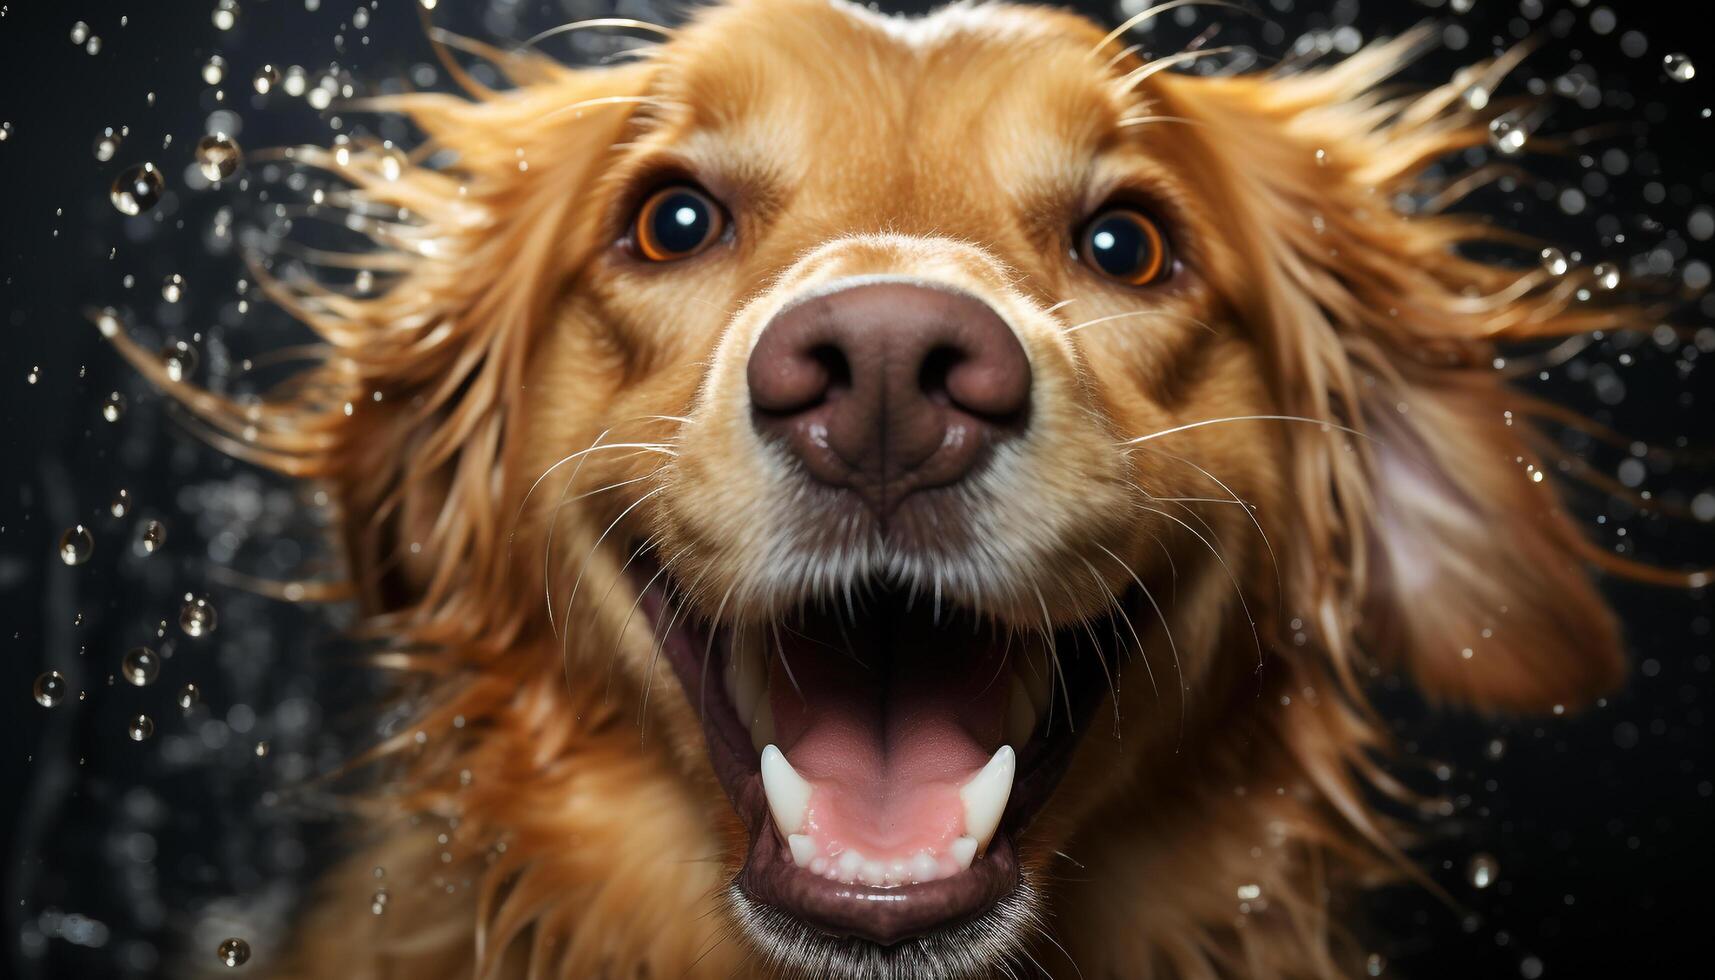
x=831 y=68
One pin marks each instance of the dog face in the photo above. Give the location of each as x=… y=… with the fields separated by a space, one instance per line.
x=958 y=444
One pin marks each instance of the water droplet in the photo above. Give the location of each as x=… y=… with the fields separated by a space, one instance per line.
x=225 y=15
x=113 y=406
x=1678 y=66
x=1477 y=97
x=121 y=503
x=217 y=156
x=1249 y=892
x=1482 y=870
x=266 y=78
x=76 y=545
x=180 y=360
x=173 y=287
x=93 y=45
x=107 y=144
x=141 y=666
x=1554 y=261
x=79 y=32
x=141 y=728
x=137 y=189
x=51 y=689
x=197 y=618
x=214 y=70
x=153 y=537
x=1506 y=135
x=1607 y=275
x=189 y=697
x=378 y=901
x=1375 y=965
x=233 y=952
x=428 y=4
x=33 y=375
x=262 y=749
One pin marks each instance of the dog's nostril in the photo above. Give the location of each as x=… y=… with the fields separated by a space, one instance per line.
x=937 y=368
x=835 y=366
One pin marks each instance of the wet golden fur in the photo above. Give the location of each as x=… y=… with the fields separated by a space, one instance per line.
x=518 y=385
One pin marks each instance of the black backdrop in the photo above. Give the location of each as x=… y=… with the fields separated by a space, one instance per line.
x=123 y=856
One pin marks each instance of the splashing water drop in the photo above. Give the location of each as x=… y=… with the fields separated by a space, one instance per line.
x=1482 y=870
x=141 y=666
x=1554 y=262
x=180 y=360
x=33 y=375
x=378 y=901
x=79 y=32
x=141 y=728
x=225 y=14
x=1607 y=275
x=107 y=144
x=1375 y=965
x=137 y=189
x=1506 y=135
x=233 y=952
x=217 y=156
x=214 y=70
x=113 y=406
x=51 y=688
x=121 y=503
x=153 y=537
x=198 y=617
x=1678 y=66
x=173 y=287
x=189 y=697
x=76 y=545
x=266 y=78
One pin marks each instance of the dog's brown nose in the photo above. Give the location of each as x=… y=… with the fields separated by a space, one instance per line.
x=886 y=388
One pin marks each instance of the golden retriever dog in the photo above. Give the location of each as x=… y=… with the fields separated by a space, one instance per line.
x=856 y=496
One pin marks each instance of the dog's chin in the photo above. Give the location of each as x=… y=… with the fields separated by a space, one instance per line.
x=885 y=753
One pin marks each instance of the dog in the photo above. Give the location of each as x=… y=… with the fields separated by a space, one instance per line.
x=860 y=496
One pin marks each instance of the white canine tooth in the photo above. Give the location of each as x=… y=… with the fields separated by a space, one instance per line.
x=803 y=849
x=964 y=850
x=1020 y=712
x=788 y=793
x=985 y=796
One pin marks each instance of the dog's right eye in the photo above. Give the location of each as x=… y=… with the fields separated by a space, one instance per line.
x=676 y=222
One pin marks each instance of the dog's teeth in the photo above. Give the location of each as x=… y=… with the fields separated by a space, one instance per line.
x=762 y=724
x=850 y=863
x=873 y=873
x=923 y=867
x=803 y=849
x=985 y=796
x=964 y=850
x=788 y=793
x=1020 y=712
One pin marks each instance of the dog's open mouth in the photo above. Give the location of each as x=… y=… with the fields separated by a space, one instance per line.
x=884 y=755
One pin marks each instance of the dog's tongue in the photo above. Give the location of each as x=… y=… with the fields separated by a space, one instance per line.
x=887 y=743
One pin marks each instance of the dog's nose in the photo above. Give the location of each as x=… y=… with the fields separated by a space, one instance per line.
x=887 y=388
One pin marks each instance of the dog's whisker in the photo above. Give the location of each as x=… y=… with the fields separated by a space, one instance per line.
x=1250 y=512
x=1096 y=649
x=584 y=566
x=1057 y=673
x=565 y=650
x=1125 y=617
x=1139 y=75
x=594 y=23
x=1324 y=424
x=1130 y=121
x=1237 y=588
x=1162 y=8
x=1166 y=628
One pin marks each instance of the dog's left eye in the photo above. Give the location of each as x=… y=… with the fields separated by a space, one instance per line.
x=1126 y=245
x=676 y=222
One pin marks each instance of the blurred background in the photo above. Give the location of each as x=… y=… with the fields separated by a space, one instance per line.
x=157 y=722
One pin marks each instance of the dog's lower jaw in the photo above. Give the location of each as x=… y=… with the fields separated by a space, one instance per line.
x=995 y=942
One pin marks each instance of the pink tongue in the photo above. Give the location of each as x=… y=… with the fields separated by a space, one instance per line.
x=887 y=754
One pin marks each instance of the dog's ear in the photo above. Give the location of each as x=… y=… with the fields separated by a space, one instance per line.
x=404 y=414
x=1432 y=540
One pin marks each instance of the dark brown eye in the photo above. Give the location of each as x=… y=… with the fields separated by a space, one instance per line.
x=1125 y=245
x=676 y=222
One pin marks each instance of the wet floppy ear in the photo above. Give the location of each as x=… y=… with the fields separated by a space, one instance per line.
x=1476 y=584
x=1434 y=542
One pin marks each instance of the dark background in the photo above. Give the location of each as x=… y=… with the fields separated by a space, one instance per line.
x=122 y=857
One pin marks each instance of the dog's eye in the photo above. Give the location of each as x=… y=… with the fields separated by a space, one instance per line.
x=1125 y=245
x=676 y=222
